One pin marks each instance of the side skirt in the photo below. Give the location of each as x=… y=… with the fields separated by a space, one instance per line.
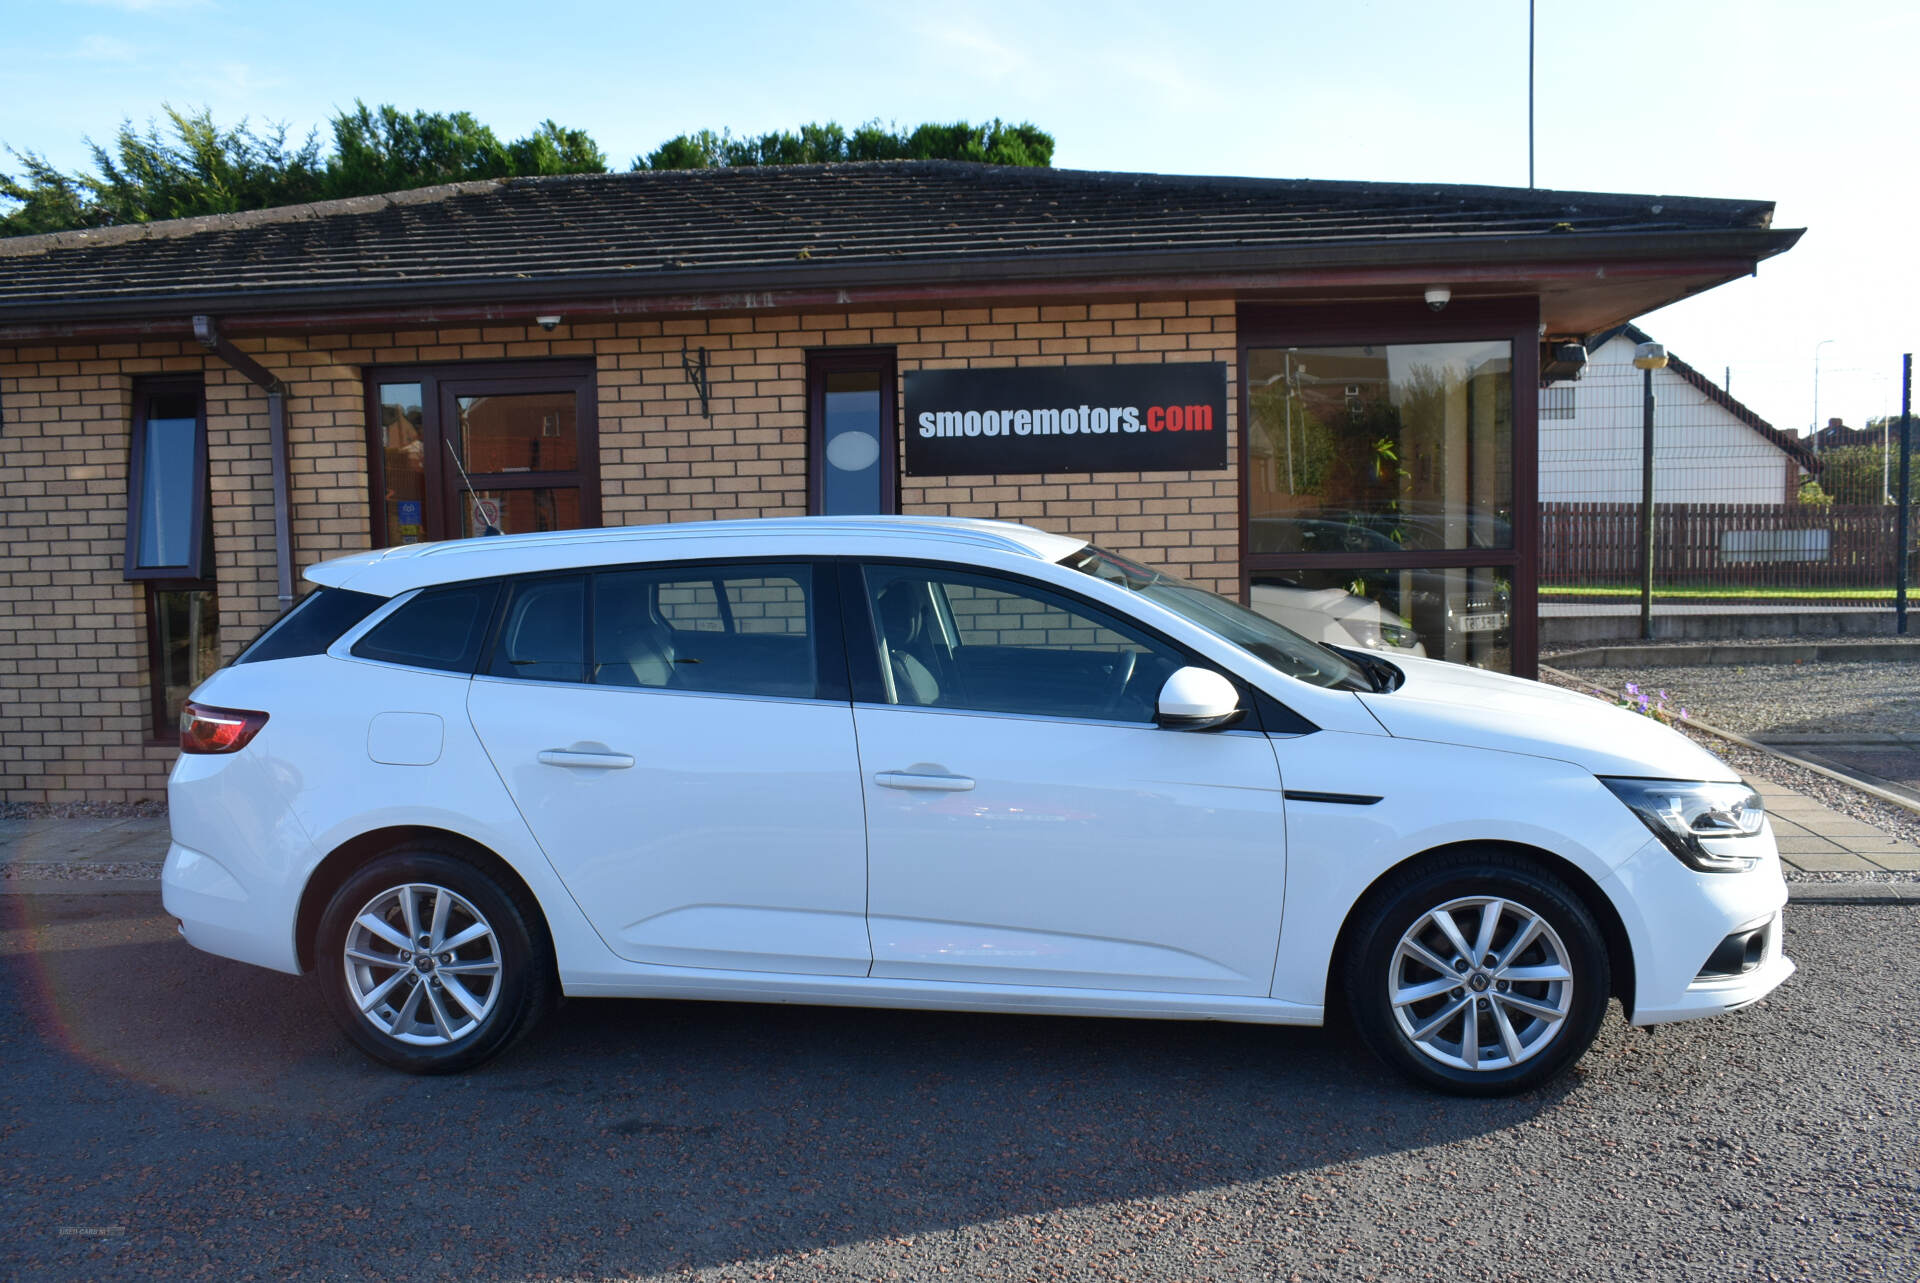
x=933 y=995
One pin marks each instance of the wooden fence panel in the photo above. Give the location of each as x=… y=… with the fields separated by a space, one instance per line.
x=1719 y=545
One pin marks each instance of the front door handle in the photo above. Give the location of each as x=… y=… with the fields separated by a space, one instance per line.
x=927 y=782
x=603 y=761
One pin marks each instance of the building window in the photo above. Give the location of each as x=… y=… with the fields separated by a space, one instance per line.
x=1381 y=447
x=850 y=433
x=183 y=648
x=524 y=434
x=1557 y=403
x=1380 y=496
x=167 y=513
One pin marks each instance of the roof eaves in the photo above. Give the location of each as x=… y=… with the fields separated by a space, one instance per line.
x=1724 y=246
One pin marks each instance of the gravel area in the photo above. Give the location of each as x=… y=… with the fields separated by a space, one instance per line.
x=171 y=1115
x=80 y=871
x=146 y=809
x=1759 y=700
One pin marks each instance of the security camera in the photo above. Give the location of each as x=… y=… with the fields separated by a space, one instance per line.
x=547 y=322
x=1438 y=296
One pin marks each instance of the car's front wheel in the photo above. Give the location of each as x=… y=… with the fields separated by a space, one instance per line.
x=1480 y=974
x=429 y=965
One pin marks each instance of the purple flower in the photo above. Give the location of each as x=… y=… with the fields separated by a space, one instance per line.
x=1683 y=712
x=1632 y=689
x=1643 y=703
x=1663 y=695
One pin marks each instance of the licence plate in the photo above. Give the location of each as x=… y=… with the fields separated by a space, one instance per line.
x=1482 y=623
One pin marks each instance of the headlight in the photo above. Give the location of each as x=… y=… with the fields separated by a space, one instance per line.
x=1685 y=813
x=1396 y=636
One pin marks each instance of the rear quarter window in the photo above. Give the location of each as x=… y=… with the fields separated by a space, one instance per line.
x=442 y=628
x=319 y=620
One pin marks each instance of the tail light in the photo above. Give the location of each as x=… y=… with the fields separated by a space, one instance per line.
x=205 y=729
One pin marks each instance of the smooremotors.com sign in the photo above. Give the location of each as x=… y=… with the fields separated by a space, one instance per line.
x=1071 y=418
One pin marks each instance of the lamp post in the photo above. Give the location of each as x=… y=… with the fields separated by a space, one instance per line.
x=1817 y=425
x=1905 y=510
x=1647 y=357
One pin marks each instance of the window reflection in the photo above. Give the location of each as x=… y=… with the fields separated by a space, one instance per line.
x=1462 y=614
x=1381 y=447
x=166 y=482
x=519 y=432
x=186 y=649
x=403 y=452
x=519 y=512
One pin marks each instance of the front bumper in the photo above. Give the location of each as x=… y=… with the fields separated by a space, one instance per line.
x=1676 y=919
x=1713 y=995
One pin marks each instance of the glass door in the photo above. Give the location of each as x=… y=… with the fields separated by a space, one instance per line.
x=1387 y=486
x=522 y=433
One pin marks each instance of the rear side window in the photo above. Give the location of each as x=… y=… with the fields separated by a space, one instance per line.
x=718 y=630
x=442 y=628
x=544 y=635
x=316 y=623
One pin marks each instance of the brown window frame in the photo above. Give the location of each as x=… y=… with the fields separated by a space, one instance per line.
x=1321 y=325
x=882 y=361
x=444 y=494
x=198 y=566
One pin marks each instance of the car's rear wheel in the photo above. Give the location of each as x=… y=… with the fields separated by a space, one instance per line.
x=1481 y=975
x=430 y=965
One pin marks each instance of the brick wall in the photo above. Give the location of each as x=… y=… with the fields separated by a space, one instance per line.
x=74 y=703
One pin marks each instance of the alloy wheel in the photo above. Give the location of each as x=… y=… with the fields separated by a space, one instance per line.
x=1481 y=983
x=423 y=965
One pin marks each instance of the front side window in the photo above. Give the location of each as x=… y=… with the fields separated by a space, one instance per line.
x=461 y=449
x=948 y=639
x=167 y=513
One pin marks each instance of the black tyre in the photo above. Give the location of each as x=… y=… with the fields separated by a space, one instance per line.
x=430 y=965
x=1479 y=974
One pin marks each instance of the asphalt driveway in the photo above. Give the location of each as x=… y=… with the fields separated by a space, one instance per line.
x=179 y=1116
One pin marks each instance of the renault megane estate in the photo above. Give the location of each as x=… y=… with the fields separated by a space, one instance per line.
x=937 y=763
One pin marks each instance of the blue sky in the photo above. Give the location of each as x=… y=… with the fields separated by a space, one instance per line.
x=1816 y=108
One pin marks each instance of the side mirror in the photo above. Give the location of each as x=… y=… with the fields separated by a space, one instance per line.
x=1197 y=699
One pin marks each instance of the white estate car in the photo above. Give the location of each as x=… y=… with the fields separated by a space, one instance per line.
x=940 y=764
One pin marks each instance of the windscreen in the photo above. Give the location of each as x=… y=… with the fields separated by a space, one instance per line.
x=1280 y=647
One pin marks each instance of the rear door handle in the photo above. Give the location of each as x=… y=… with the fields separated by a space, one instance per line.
x=928 y=783
x=567 y=757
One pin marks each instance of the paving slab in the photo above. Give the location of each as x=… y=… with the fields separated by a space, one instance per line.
x=81 y=841
x=1843 y=862
x=1895 y=769
x=1808 y=845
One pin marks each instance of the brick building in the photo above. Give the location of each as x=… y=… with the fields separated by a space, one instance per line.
x=192 y=412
